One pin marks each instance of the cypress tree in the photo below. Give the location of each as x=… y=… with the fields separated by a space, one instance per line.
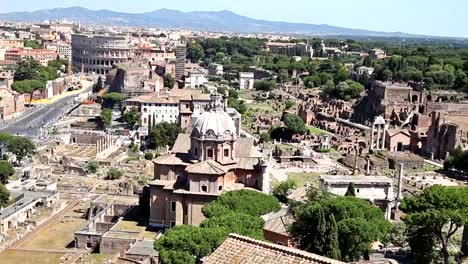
x=351 y=191
x=154 y=120
x=149 y=125
x=332 y=249
x=98 y=85
x=320 y=241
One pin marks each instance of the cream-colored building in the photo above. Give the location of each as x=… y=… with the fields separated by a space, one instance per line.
x=376 y=189
x=11 y=104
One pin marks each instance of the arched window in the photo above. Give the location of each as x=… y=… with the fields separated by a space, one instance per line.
x=204 y=188
x=220 y=188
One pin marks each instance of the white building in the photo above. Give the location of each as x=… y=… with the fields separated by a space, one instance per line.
x=64 y=50
x=196 y=79
x=365 y=70
x=246 y=80
x=215 y=69
x=155 y=108
x=376 y=189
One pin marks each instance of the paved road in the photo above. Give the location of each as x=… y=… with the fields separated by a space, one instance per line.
x=30 y=123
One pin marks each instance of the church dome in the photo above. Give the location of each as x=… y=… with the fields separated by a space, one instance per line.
x=214 y=124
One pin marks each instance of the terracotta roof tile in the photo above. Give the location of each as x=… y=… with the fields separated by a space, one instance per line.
x=238 y=249
x=206 y=167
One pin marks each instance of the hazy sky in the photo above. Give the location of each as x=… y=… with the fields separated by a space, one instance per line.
x=432 y=17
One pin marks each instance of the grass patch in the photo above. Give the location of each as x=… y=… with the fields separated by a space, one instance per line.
x=317 y=131
x=18 y=256
x=286 y=147
x=133 y=226
x=95 y=258
x=328 y=150
x=302 y=177
x=59 y=234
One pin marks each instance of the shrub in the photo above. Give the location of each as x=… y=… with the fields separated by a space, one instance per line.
x=282 y=189
x=114 y=174
x=264 y=138
x=149 y=156
x=93 y=166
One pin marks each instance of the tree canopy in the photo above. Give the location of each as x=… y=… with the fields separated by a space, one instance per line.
x=31 y=44
x=458 y=160
x=281 y=191
x=27 y=86
x=347 y=235
x=239 y=223
x=294 y=123
x=6 y=170
x=132 y=117
x=248 y=202
x=29 y=69
x=265 y=85
x=169 y=81
x=106 y=117
x=4 y=195
x=110 y=99
x=98 y=86
x=114 y=174
x=351 y=191
x=346 y=90
x=195 y=52
x=187 y=244
x=163 y=134
x=19 y=146
x=233 y=212
x=93 y=166
x=433 y=218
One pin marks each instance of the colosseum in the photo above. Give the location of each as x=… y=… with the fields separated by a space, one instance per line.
x=99 y=53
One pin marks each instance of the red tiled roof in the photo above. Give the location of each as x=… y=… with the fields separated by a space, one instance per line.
x=237 y=249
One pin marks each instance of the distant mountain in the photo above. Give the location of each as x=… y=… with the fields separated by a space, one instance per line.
x=221 y=21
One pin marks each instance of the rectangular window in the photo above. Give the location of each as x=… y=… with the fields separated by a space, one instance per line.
x=172 y=224
x=173 y=206
x=226 y=153
x=210 y=153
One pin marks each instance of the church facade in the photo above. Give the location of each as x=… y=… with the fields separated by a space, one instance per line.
x=212 y=159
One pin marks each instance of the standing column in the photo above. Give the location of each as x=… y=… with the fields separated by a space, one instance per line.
x=371 y=146
x=400 y=185
x=383 y=136
x=378 y=137
x=98 y=144
x=388 y=211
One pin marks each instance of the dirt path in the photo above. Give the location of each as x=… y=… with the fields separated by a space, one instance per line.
x=46 y=250
x=44 y=225
x=77 y=255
